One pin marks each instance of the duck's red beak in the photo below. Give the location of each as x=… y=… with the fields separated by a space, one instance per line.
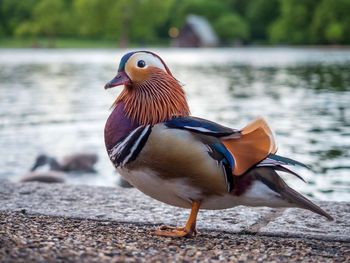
x=120 y=79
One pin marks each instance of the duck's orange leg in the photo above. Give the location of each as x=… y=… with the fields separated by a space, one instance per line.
x=187 y=231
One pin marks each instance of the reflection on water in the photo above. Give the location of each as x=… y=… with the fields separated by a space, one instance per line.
x=53 y=101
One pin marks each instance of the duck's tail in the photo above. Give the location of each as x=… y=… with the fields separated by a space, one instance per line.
x=269 y=177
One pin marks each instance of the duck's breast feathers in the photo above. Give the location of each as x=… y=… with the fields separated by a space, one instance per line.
x=128 y=148
x=118 y=125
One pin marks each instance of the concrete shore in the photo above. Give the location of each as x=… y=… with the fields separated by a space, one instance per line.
x=67 y=223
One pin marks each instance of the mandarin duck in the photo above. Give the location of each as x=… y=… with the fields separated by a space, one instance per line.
x=187 y=161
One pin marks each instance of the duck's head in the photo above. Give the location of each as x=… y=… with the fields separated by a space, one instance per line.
x=151 y=94
x=42 y=160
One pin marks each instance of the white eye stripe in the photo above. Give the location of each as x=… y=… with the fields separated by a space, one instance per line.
x=149 y=60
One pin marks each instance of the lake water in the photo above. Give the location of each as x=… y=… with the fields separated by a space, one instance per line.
x=53 y=101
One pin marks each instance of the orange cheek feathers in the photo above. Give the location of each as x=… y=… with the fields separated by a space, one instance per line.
x=137 y=75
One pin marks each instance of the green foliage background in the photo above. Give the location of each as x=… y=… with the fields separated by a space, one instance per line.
x=141 y=22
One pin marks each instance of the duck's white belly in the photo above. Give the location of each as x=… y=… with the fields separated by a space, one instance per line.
x=173 y=192
x=178 y=192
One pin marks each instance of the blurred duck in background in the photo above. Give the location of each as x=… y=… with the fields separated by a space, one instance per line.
x=47 y=169
x=44 y=171
x=76 y=162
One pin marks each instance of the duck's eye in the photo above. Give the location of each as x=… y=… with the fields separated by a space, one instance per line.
x=141 y=63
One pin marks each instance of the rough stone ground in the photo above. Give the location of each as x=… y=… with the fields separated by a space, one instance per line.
x=38 y=238
x=69 y=223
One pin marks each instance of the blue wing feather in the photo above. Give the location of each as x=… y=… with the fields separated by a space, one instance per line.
x=228 y=156
x=199 y=125
x=285 y=161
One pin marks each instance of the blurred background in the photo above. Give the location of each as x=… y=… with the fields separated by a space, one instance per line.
x=285 y=60
x=123 y=23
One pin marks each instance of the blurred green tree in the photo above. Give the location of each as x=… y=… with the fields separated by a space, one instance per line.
x=49 y=18
x=140 y=19
x=13 y=13
x=293 y=24
x=260 y=14
x=93 y=17
x=122 y=20
x=231 y=28
x=331 y=22
x=238 y=6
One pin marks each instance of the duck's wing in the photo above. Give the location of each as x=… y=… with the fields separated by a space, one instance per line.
x=247 y=147
x=202 y=126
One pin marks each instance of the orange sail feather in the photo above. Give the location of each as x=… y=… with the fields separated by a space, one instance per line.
x=255 y=144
